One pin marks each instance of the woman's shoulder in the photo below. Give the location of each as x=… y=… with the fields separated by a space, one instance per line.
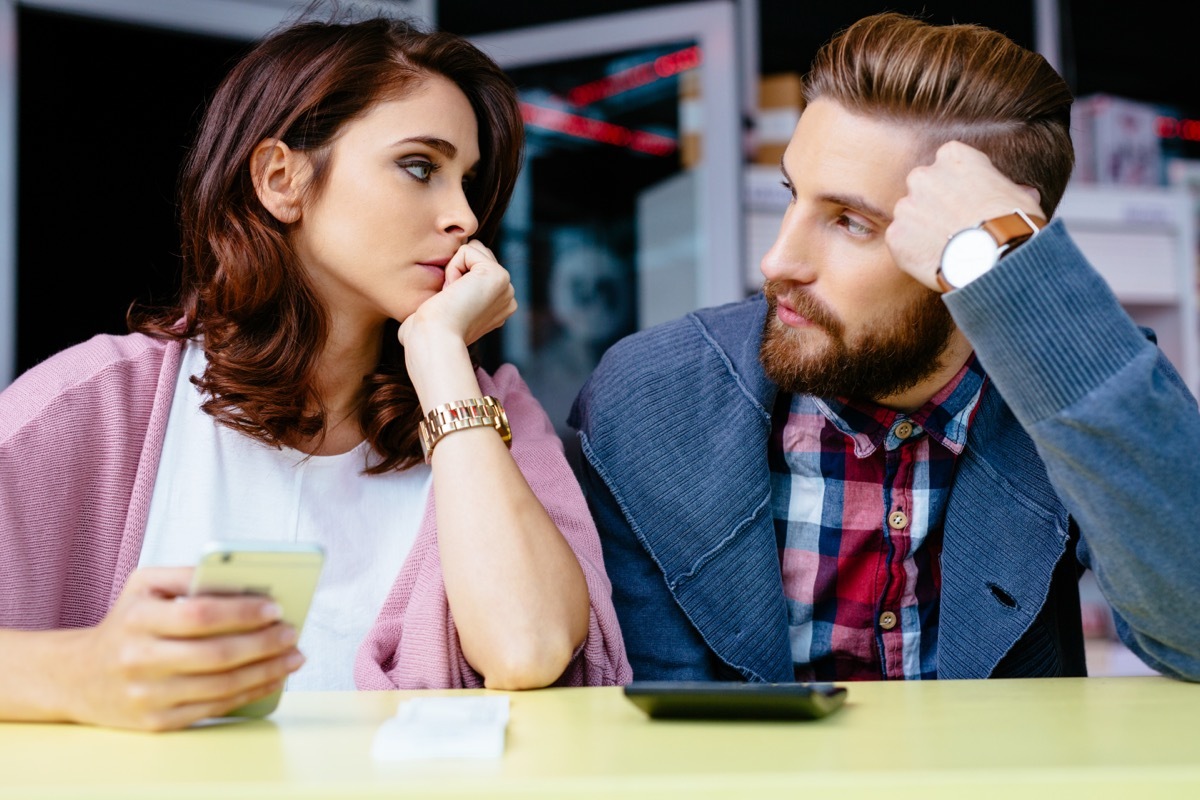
x=101 y=366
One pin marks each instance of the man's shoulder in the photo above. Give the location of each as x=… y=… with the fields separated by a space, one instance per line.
x=667 y=343
x=678 y=359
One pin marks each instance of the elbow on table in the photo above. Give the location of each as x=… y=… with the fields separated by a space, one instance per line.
x=1186 y=670
x=1172 y=662
x=527 y=667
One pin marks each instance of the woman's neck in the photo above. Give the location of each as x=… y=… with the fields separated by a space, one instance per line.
x=345 y=359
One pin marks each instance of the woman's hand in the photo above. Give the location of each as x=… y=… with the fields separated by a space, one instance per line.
x=161 y=660
x=476 y=298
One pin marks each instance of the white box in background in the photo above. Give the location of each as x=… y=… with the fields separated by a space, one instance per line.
x=1116 y=141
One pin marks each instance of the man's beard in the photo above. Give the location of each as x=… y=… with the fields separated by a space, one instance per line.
x=890 y=357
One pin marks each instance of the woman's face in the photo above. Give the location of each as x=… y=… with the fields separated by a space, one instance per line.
x=374 y=239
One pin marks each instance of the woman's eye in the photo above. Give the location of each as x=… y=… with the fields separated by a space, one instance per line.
x=421 y=170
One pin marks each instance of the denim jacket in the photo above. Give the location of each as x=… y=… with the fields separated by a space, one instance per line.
x=1082 y=454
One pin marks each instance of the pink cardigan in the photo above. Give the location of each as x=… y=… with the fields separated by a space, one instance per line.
x=80 y=441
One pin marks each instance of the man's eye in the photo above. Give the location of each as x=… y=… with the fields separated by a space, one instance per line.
x=854 y=226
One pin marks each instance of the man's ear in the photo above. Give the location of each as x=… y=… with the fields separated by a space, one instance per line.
x=280 y=175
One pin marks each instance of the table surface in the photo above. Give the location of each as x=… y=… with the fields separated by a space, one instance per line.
x=1129 y=737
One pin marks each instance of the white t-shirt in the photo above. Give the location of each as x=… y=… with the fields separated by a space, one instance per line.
x=216 y=483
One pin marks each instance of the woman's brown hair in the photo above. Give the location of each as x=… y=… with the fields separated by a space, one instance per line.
x=242 y=286
x=963 y=82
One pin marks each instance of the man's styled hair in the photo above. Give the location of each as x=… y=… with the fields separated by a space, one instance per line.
x=948 y=82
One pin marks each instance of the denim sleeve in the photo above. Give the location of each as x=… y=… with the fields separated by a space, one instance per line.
x=662 y=644
x=1115 y=425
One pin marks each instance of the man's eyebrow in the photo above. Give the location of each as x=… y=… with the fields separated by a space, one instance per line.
x=859 y=203
x=849 y=200
x=441 y=145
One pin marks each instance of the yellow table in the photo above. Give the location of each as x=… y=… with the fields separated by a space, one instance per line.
x=1130 y=738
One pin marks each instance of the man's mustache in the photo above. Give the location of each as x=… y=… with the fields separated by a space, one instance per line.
x=805 y=305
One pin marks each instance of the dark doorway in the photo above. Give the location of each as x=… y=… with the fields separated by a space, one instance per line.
x=105 y=113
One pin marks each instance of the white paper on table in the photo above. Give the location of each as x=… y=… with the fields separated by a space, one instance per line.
x=444 y=727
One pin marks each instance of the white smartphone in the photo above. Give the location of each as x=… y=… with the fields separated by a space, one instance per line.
x=287 y=572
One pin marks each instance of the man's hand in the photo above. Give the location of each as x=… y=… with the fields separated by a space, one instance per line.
x=161 y=660
x=960 y=189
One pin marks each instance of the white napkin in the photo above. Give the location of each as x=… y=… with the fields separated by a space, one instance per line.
x=444 y=727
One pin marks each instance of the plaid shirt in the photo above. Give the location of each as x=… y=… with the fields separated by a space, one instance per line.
x=858 y=493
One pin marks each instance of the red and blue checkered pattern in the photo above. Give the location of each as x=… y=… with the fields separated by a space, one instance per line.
x=862 y=594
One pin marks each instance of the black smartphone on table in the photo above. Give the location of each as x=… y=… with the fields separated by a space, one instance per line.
x=735 y=700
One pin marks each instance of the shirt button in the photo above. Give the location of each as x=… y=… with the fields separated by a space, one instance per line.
x=904 y=429
x=887 y=620
x=897 y=520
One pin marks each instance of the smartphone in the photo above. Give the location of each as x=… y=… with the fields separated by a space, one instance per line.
x=735 y=700
x=287 y=572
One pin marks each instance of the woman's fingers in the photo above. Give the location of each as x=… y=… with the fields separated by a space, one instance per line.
x=155 y=656
x=477 y=297
x=155 y=601
x=225 y=686
x=161 y=659
x=169 y=718
x=467 y=257
x=204 y=615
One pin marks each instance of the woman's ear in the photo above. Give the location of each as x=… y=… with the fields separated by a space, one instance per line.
x=280 y=175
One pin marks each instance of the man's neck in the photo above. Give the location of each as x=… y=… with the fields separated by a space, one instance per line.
x=957 y=351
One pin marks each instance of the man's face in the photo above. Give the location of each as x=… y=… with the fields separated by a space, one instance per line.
x=843 y=319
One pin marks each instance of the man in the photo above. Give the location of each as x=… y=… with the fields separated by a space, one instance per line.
x=897 y=460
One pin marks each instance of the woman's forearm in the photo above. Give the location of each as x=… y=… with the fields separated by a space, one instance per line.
x=516 y=590
x=33 y=674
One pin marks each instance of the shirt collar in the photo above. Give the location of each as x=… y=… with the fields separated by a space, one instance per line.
x=945 y=417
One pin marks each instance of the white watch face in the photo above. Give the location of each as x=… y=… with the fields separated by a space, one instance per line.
x=968 y=255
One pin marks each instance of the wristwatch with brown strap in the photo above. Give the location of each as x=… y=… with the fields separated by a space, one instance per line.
x=973 y=251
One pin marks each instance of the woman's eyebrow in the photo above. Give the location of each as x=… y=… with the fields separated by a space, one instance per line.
x=441 y=145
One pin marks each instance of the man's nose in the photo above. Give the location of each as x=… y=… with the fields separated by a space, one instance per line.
x=788 y=259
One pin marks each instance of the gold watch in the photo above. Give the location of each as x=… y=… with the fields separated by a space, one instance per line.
x=477 y=412
x=972 y=252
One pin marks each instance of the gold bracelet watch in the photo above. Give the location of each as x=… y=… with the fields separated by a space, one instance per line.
x=477 y=412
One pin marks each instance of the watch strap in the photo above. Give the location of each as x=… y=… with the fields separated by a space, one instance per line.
x=475 y=412
x=1009 y=230
x=1012 y=229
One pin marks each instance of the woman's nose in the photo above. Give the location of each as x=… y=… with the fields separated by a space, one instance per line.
x=460 y=219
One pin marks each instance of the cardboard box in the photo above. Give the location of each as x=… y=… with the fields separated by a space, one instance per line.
x=690 y=119
x=778 y=113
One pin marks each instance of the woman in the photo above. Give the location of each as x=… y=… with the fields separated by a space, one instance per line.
x=333 y=210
